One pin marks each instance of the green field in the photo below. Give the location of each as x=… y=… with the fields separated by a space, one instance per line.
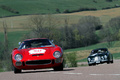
x=13 y=37
x=99 y=45
x=50 y=6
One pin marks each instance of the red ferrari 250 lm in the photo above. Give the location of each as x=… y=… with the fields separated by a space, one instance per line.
x=37 y=54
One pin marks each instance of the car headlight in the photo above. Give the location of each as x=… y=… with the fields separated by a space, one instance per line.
x=18 y=57
x=105 y=56
x=89 y=59
x=96 y=58
x=57 y=54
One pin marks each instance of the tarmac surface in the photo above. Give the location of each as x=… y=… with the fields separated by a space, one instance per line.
x=99 y=72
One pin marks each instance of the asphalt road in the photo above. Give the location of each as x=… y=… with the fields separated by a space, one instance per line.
x=98 y=72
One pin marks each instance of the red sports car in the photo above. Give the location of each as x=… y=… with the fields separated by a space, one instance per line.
x=37 y=54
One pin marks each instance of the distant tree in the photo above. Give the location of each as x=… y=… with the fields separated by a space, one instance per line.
x=67 y=35
x=44 y=27
x=6 y=57
x=86 y=27
x=110 y=32
x=107 y=36
x=114 y=27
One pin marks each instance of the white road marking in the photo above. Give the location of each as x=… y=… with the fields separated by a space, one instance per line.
x=104 y=74
x=55 y=72
x=96 y=74
x=73 y=73
x=114 y=74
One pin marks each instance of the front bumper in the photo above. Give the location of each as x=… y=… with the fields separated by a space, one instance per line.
x=38 y=64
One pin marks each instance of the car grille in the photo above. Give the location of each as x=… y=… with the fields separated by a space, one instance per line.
x=38 y=62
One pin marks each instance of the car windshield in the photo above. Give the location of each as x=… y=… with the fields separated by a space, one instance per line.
x=36 y=43
x=99 y=51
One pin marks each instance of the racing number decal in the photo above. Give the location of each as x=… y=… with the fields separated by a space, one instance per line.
x=37 y=51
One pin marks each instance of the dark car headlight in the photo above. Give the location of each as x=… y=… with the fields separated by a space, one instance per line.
x=96 y=58
x=57 y=54
x=105 y=56
x=89 y=59
x=18 y=57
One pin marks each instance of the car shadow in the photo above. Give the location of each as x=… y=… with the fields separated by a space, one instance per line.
x=43 y=71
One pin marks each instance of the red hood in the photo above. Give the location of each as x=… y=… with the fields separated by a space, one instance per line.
x=37 y=53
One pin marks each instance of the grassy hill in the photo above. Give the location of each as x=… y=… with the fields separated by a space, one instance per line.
x=50 y=6
x=18 y=22
x=16 y=25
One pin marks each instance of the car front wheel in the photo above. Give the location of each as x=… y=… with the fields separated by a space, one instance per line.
x=17 y=70
x=58 y=68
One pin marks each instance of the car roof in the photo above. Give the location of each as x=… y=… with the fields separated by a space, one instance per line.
x=94 y=50
x=34 y=39
x=100 y=49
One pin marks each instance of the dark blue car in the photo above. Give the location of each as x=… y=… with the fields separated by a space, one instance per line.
x=100 y=55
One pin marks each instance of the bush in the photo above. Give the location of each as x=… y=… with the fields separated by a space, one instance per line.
x=70 y=59
x=9 y=9
x=98 y=27
x=79 y=10
x=66 y=11
x=57 y=10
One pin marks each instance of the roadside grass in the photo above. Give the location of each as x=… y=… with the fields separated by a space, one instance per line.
x=82 y=60
x=116 y=55
x=1 y=70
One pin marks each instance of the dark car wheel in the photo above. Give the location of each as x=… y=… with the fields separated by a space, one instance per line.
x=108 y=62
x=58 y=68
x=90 y=64
x=17 y=70
x=112 y=61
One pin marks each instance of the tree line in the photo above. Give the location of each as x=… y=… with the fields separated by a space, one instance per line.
x=68 y=36
x=87 y=31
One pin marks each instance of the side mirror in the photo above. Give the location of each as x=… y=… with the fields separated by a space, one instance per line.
x=19 y=43
x=15 y=48
x=52 y=41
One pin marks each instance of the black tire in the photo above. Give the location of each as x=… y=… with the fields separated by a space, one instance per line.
x=112 y=61
x=108 y=62
x=17 y=70
x=58 y=68
x=94 y=64
x=90 y=64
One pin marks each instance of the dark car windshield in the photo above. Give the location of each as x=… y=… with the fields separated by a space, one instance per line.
x=35 y=43
x=99 y=51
